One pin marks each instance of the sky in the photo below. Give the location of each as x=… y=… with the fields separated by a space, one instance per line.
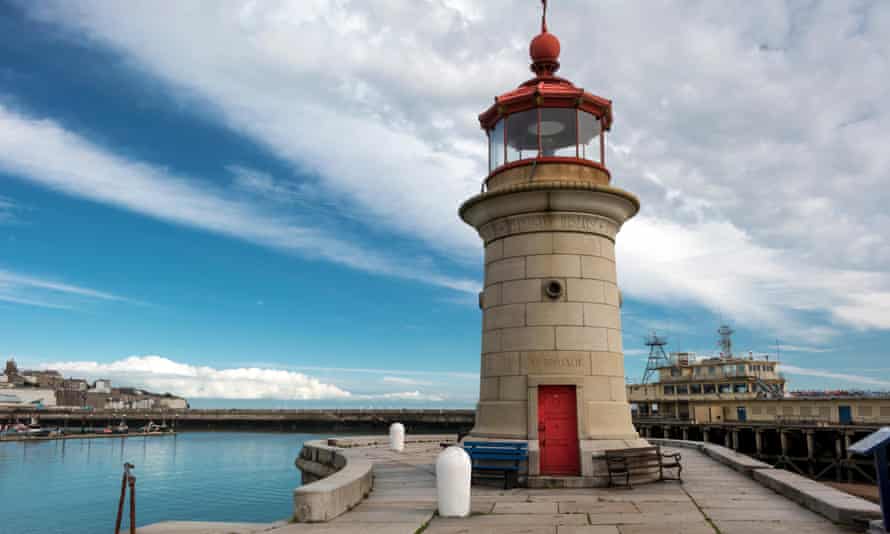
x=255 y=203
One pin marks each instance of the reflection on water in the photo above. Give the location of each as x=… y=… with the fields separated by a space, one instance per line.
x=72 y=486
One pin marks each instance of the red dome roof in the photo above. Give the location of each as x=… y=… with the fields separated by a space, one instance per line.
x=546 y=90
x=544 y=47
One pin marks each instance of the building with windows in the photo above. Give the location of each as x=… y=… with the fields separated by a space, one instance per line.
x=746 y=390
x=686 y=381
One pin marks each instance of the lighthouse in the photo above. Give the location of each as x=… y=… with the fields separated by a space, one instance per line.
x=552 y=372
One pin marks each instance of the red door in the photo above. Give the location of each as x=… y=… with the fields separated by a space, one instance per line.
x=558 y=430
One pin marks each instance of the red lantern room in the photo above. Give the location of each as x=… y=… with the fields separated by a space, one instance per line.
x=546 y=121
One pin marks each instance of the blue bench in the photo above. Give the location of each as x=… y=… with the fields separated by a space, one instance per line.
x=497 y=456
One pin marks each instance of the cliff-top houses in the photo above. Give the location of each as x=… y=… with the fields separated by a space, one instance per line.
x=48 y=388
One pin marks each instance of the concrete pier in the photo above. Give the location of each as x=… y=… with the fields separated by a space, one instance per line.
x=713 y=498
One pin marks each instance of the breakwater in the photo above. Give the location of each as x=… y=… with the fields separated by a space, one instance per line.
x=310 y=421
x=87 y=435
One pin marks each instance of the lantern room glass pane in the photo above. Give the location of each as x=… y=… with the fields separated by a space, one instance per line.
x=496 y=146
x=559 y=132
x=589 y=136
x=522 y=135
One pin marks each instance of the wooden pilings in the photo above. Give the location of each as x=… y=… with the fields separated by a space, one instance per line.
x=817 y=451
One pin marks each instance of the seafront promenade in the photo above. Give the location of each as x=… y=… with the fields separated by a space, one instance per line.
x=713 y=499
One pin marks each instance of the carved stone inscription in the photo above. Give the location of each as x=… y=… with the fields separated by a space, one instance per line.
x=548 y=222
x=565 y=363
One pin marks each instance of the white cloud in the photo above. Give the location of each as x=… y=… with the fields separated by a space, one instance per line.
x=717 y=264
x=45 y=293
x=753 y=132
x=858 y=380
x=158 y=374
x=405 y=381
x=45 y=153
x=367 y=370
x=409 y=395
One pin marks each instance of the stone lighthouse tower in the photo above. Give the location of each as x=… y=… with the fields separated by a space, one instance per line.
x=552 y=362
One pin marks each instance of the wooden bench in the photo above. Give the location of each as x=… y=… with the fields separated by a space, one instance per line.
x=629 y=462
x=497 y=456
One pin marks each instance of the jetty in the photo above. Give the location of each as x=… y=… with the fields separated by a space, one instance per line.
x=722 y=492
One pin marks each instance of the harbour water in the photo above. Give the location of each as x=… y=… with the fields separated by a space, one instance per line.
x=73 y=486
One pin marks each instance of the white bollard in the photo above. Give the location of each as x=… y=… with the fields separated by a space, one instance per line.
x=453 y=471
x=397 y=437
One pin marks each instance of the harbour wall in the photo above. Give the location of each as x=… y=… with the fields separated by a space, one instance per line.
x=308 y=421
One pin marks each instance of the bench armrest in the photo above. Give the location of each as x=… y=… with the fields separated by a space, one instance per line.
x=675 y=455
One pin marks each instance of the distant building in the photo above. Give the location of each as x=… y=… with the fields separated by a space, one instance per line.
x=740 y=390
x=685 y=381
x=50 y=388
x=74 y=384
x=101 y=386
x=45 y=379
x=172 y=402
x=27 y=397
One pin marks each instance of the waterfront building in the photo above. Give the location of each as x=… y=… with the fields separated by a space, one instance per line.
x=746 y=390
x=27 y=397
x=552 y=370
x=101 y=386
x=50 y=388
x=684 y=380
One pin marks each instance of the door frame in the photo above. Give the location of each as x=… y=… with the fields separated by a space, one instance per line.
x=578 y=413
x=534 y=457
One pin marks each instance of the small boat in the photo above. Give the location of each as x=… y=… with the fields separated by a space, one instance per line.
x=36 y=430
x=151 y=428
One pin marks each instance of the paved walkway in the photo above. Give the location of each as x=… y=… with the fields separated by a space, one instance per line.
x=713 y=499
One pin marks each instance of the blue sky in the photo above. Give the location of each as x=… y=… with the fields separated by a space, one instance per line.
x=259 y=199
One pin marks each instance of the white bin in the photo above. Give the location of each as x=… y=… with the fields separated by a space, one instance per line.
x=453 y=471
x=397 y=437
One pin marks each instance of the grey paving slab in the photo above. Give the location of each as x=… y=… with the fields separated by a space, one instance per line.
x=415 y=513
x=587 y=529
x=645 y=519
x=667 y=508
x=698 y=527
x=493 y=520
x=348 y=528
x=746 y=514
x=470 y=528
x=782 y=527
x=525 y=508
x=598 y=507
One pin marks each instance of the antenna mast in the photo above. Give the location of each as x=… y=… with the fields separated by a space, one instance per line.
x=725 y=342
x=657 y=356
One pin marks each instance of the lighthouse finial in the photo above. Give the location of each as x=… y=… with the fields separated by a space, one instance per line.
x=544 y=49
x=544 y=17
